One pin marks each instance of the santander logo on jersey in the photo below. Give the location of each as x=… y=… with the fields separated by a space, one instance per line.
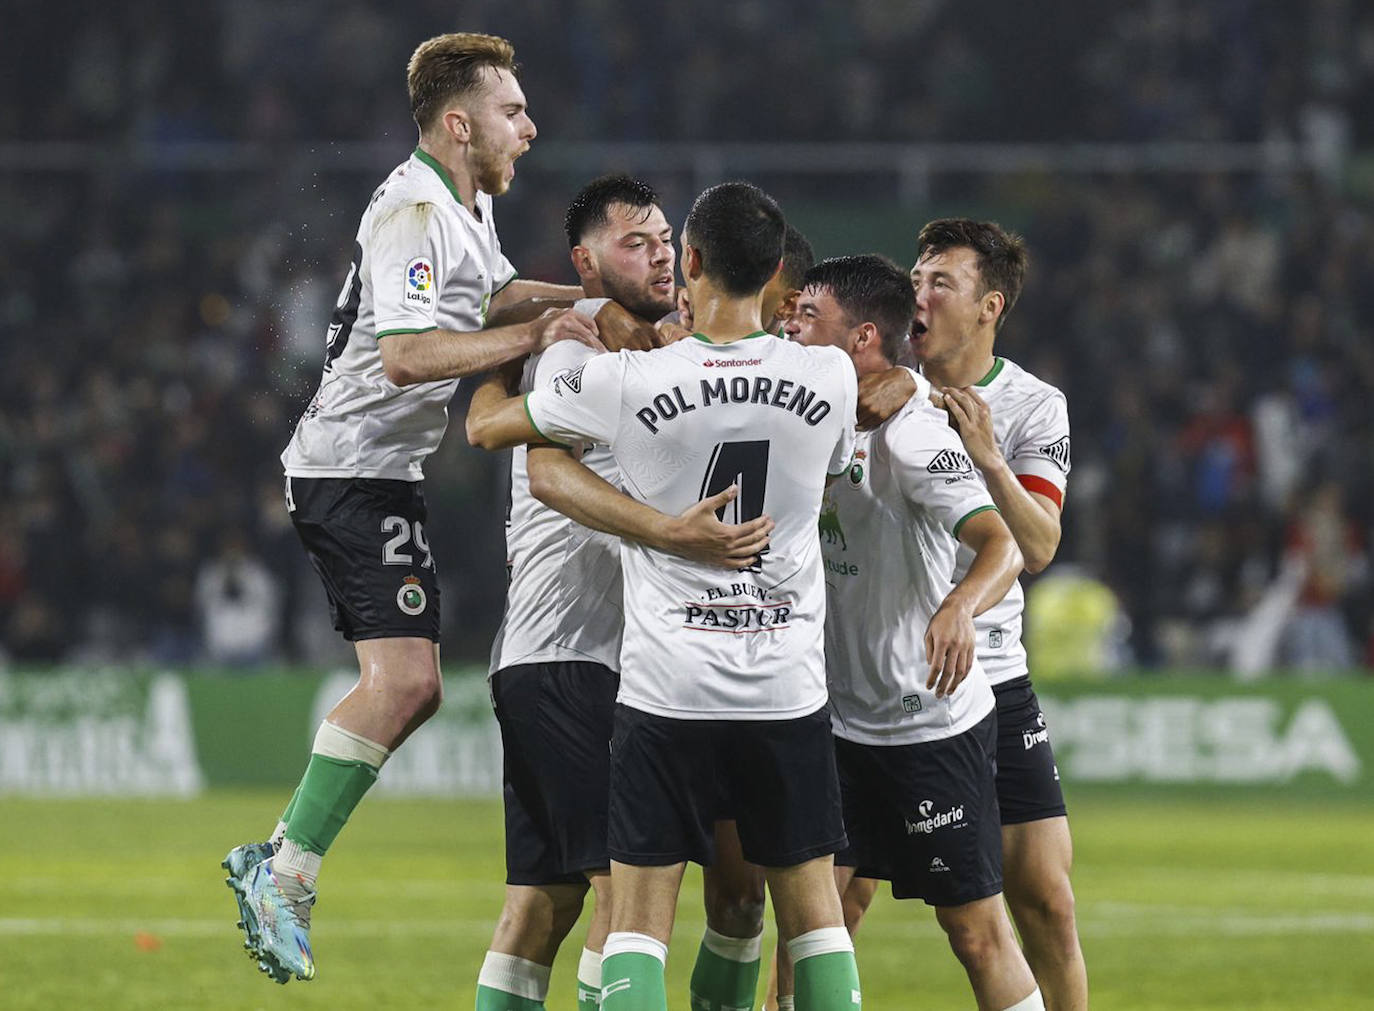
x=726 y=363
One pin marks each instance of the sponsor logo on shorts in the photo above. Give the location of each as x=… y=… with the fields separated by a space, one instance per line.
x=911 y=704
x=994 y=638
x=1030 y=738
x=410 y=598
x=938 y=866
x=930 y=820
x=419 y=287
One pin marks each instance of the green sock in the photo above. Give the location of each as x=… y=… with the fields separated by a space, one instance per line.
x=508 y=983
x=827 y=977
x=726 y=975
x=329 y=791
x=498 y=1000
x=632 y=973
x=290 y=806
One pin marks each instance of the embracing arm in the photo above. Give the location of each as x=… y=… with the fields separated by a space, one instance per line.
x=950 y=638
x=565 y=484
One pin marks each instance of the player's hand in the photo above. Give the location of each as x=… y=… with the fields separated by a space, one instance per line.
x=564 y=324
x=670 y=332
x=699 y=535
x=950 y=643
x=972 y=418
x=619 y=329
x=883 y=394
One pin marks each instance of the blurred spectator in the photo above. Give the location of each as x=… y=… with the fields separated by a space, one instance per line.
x=1329 y=553
x=237 y=600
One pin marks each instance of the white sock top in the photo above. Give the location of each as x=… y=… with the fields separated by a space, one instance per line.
x=824 y=941
x=1034 y=1002
x=518 y=976
x=734 y=949
x=589 y=969
x=629 y=942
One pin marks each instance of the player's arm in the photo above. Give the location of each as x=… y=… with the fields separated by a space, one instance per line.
x=1032 y=516
x=563 y=483
x=950 y=637
x=497 y=418
x=434 y=354
x=520 y=289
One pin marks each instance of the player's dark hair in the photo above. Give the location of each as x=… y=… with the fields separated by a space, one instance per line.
x=738 y=230
x=1002 y=255
x=590 y=209
x=797 y=257
x=869 y=289
x=448 y=66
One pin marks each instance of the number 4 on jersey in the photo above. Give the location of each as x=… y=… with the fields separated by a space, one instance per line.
x=744 y=464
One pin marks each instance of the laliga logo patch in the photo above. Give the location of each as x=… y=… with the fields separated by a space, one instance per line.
x=419 y=289
x=410 y=598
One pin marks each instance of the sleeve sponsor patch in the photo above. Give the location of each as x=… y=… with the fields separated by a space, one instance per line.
x=950 y=461
x=1057 y=453
x=419 y=283
x=572 y=379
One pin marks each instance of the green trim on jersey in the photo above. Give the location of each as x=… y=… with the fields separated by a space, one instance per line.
x=981 y=509
x=997 y=365
x=433 y=163
x=749 y=336
x=388 y=333
x=504 y=286
x=541 y=435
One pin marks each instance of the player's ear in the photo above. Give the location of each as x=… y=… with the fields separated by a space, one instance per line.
x=868 y=337
x=993 y=303
x=691 y=261
x=583 y=262
x=456 y=124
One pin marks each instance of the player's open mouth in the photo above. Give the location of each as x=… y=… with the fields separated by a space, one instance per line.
x=664 y=284
x=918 y=329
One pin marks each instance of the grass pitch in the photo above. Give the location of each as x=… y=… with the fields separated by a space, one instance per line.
x=120 y=904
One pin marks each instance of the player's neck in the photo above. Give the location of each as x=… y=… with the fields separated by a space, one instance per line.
x=721 y=318
x=965 y=370
x=445 y=160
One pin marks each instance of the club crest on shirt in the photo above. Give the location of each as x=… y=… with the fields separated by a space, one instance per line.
x=419 y=283
x=1057 y=453
x=410 y=598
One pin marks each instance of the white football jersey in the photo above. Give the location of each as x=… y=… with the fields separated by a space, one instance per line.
x=889 y=532
x=685 y=422
x=1030 y=419
x=564 y=598
x=422 y=261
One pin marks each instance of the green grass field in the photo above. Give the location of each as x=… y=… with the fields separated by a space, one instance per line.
x=120 y=904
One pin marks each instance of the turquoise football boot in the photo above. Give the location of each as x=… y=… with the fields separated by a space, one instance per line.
x=240 y=863
x=277 y=926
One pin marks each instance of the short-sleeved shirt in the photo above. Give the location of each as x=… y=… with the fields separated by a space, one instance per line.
x=1030 y=419
x=421 y=262
x=685 y=422
x=888 y=533
x=564 y=599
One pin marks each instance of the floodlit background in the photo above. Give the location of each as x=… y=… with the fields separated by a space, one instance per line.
x=179 y=189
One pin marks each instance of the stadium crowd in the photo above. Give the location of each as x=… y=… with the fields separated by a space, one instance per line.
x=161 y=328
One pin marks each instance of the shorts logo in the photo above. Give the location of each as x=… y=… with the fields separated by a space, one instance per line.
x=995 y=638
x=938 y=866
x=410 y=598
x=571 y=378
x=912 y=704
x=1030 y=738
x=1058 y=453
x=930 y=821
x=419 y=288
x=950 y=461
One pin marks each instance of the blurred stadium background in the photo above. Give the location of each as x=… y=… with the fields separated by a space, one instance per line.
x=179 y=188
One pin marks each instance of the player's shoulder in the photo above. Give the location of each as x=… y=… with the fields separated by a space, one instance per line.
x=411 y=184
x=1013 y=383
x=918 y=426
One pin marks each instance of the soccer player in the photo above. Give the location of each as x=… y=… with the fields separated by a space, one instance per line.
x=1015 y=428
x=427 y=267
x=913 y=711
x=722 y=695
x=557 y=653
